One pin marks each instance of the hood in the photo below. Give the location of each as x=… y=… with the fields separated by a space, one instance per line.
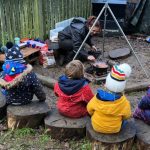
x=78 y=23
x=111 y=107
x=17 y=79
x=107 y=96
x=70 y=86
x=12 y=68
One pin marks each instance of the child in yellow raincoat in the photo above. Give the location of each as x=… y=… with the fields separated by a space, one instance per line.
x=109 y=108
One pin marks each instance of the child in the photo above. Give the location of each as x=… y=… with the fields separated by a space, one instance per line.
x=142 y=112
x=109 y=108
x=73 y=91
x=18 y=82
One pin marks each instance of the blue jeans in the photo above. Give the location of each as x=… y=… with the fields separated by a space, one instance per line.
x=124 y=123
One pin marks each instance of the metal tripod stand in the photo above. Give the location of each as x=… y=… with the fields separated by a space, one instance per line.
x=105 y=8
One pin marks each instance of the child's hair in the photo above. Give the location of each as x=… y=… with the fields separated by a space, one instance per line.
x=74 y=69
x=91 y=20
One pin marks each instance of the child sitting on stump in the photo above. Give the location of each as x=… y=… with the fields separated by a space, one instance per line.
x=73 y=91
x=18 y=82
x=109 y=108
x=142 y=112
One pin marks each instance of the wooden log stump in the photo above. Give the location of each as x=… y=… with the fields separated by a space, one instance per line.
x=47 y=81
x=142 y=135
x=119 y=53
x=60 y=127
x=119 y=141
x=31 y=115
x=3 y=106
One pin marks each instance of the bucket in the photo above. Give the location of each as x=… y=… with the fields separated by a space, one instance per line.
x=17 y=40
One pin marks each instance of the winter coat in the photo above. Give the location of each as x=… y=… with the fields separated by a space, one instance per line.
x=72 y=101
x=107 y=111
x=142 y=112
x=21 y=89
x=77 y=32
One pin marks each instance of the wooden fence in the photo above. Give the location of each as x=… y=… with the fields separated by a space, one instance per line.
x=34 y=18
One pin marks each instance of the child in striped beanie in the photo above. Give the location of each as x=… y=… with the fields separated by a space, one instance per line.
x=109 y=108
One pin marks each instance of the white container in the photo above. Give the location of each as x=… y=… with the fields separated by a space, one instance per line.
x=54 y=33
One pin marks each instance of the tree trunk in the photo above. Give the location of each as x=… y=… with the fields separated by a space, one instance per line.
x=61 y=127
x=3 y=106
x=31 y=115
x=49 y=82
x=137 y=87
x=142 y=135
x=119 y=141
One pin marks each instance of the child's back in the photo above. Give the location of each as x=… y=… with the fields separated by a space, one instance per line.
x=109 y=107
x=18 y=82
x=73 y=91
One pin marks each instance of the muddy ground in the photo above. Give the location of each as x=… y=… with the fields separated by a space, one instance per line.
x=141 y=49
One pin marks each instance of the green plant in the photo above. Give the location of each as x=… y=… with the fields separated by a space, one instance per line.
x=44 y=138
x=86 y=145
x=24 y=132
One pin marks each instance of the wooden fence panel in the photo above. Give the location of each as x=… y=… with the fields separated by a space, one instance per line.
x=34 y=18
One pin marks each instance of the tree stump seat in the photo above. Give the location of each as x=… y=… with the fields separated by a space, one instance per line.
x=118 y=141
x=30 y=115
x=61 y=127
x=119 y=53
x=142 y=135
x=2 y=106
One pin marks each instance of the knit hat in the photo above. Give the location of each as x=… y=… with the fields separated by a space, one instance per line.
x=12 y=68
x=126 y=68
x=116 y=79
x=14 y=54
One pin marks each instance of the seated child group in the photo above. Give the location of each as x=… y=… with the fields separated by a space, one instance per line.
x=109 y=108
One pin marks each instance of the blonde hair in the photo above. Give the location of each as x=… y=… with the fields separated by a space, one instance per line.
x=74 y=69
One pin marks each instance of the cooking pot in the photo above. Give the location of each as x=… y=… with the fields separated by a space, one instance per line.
x=100 y=68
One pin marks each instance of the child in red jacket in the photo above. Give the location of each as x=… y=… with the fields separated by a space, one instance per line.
x=73 y=91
